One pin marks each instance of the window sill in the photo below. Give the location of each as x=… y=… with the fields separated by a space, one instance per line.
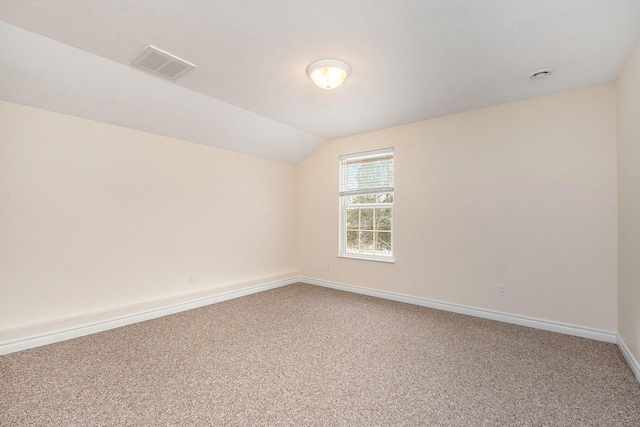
x=389 y=260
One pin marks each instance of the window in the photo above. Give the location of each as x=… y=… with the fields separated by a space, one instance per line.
x=366 y=205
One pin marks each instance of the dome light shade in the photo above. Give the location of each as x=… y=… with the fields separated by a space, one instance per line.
x=328 y=73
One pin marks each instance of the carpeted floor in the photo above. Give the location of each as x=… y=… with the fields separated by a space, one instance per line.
x=308 y=356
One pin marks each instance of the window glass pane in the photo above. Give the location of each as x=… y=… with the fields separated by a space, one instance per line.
x=384 y=198
x=366 y=242
x=383 y=242
x=383 y=219
x=370 y=198
x=366 y=219
x=353 y=218
x=352 y=241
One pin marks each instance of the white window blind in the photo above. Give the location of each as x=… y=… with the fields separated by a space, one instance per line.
x=366 y=173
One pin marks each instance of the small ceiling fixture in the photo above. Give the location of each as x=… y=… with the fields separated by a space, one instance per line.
x=328 y=73
x=541 y=73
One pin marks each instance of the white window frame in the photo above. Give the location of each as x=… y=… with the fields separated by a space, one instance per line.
x=343 y=196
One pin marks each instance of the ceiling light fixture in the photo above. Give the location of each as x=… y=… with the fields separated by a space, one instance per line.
x=328 y=73
x=541 y=73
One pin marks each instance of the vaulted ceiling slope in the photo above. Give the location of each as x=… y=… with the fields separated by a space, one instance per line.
x=410 y=59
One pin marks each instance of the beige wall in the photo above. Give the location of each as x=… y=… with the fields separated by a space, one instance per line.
x=522 y=194
x=628 y=86
x=95 y=216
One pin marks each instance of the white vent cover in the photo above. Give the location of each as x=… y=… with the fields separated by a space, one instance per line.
x=160 y=62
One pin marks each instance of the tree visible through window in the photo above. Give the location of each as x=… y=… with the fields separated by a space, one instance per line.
x=366 y=200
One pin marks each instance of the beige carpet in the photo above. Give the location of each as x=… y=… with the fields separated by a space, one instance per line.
x=307 y=356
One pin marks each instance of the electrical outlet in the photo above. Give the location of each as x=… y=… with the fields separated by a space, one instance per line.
x=192 y=280
x=328 y=266
x=502 y=290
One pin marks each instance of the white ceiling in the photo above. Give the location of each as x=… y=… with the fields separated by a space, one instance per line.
x=410 y=60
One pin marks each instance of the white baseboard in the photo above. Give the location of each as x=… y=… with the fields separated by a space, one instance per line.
x=633 y=363
x=64 y=329
x=531 y=322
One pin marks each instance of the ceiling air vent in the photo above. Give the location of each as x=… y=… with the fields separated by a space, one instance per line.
x=160 y=62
